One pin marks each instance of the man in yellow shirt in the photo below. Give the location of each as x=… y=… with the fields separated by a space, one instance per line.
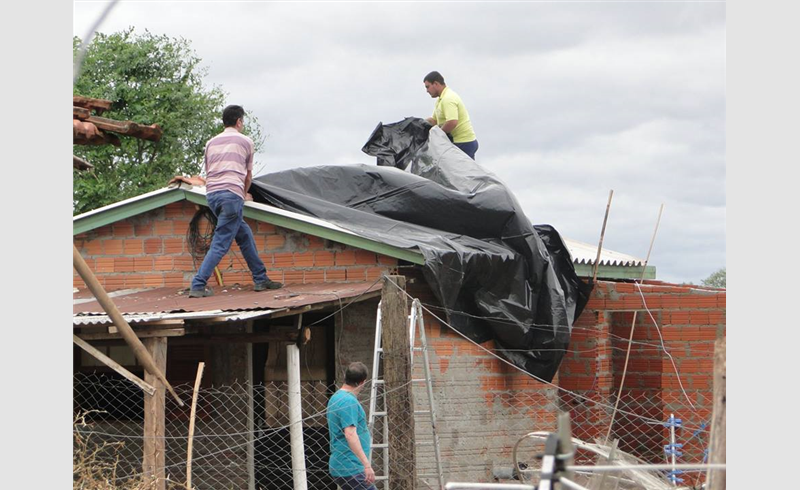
x=450 y=114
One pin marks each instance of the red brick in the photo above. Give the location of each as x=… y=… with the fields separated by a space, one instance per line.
x=364 y=257
x=123 y=264
x=122 y=229
x=335 y=275
x=153 y=281
x=261 y=242
x=183 y=263
x=153 y=246
x=356 y=274
x=275 y=275
x=104 y=264
x=283 y=260
x=143 y=264
x=143 y=229
x=314 y=276
x=305 y=259
x=293 y=277
x=133 y=246
x=315 y=243
x=164 y=228
x=275 y=242
x=94 y=247
x=374 y=273
x=345 y=257
x=113 y=283
x=265 y=227
x=163 y=264
x=174 y=246
x=133 y=280
x=174 y=279
x=174 y=210
x=112 y=247
x=180 y=227
x=323 y=259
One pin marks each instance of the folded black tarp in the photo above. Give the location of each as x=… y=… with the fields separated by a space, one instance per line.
x=496 y=276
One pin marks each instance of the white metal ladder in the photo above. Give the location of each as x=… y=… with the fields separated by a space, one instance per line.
x=415 y=322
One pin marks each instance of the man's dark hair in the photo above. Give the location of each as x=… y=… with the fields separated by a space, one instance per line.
x=231 y=114
x=356 y=373
x=434 y=77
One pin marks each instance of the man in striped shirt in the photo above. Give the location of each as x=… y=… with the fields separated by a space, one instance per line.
x=229 y=173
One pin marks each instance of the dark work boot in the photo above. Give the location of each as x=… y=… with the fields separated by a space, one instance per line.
x=268 y=284
x=201 y=293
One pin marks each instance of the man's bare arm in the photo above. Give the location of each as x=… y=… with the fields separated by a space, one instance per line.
x=355 y=445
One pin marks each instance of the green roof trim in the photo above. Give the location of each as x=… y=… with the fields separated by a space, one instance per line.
x=322 y=232
x=95 y=220
x=616 y=271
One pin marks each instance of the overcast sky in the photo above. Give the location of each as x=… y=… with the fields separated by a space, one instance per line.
x=568 y=100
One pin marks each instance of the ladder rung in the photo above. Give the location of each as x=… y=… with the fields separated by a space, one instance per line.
x=379 y=446
x=379 y=414
x=418 y=349
x=378 y=381
x=421 y=412
x=381 y=478
x=424 y=443
x=419 y=380
x=380 y=349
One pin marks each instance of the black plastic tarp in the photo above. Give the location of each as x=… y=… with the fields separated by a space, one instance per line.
x=495 y=275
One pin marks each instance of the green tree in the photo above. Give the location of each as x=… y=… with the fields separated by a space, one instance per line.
x=149 y=79
x=716 y=279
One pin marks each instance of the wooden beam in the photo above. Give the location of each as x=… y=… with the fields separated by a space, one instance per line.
x=97 y=105
x=154 y=461
x=149 y=389
x=715 y=479
x=397 y=383
x=142 y=334
x=80 y=113
x=239 y=338
x=152 y=132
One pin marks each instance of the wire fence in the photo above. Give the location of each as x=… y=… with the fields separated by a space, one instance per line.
x=241 y=438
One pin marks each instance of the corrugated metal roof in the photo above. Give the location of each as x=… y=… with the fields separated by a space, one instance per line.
x=228 y=304
x=584 y=253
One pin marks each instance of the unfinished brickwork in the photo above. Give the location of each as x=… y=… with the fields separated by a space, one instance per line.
x=150 y=250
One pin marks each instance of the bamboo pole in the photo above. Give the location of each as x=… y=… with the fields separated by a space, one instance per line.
x=602 y=234
x=199 y=377
x=296 y=418
x=633 y=327
x=113 y=313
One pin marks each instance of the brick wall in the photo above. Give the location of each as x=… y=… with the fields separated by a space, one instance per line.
x=150 y=250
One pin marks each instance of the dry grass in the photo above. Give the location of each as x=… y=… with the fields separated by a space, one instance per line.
x=94 y=466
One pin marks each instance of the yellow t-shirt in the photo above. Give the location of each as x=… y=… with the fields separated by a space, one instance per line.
x=448 y=107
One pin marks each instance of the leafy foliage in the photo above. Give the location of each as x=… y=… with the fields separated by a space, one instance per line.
x=149 y=79
x=716 y=279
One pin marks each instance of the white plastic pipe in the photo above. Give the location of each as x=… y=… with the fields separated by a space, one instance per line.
x=296 y=418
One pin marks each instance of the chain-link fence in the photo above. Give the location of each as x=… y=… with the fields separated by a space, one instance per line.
x=237 y=442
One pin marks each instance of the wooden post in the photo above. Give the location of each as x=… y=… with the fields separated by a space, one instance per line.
x=397 y=378
x=296 y=418
x=715 y=479
x=154 y=462
x=199 y=377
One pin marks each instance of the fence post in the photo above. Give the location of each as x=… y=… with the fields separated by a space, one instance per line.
x=397 y=388
x=154 y=461
x=296 y=418
x=715 y=479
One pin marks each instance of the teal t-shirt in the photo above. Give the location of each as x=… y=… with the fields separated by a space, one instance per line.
x=344 y=411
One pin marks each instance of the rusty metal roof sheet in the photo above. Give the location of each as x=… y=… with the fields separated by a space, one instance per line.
x=233 y=302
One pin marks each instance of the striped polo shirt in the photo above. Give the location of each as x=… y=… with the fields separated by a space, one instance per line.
x=228 y=157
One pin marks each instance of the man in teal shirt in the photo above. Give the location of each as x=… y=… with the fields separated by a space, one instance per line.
x=450 y=114
x=349 y=436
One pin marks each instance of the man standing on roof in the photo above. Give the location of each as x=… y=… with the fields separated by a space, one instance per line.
x=229 y=171
x=450 y=114
x=350 y=441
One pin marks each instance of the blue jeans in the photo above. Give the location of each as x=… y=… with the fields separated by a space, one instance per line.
x=470 y=147
x=355 y=482
x=229 y=210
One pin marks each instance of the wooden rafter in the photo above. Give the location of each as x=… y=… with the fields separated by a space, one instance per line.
x=97 y=105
